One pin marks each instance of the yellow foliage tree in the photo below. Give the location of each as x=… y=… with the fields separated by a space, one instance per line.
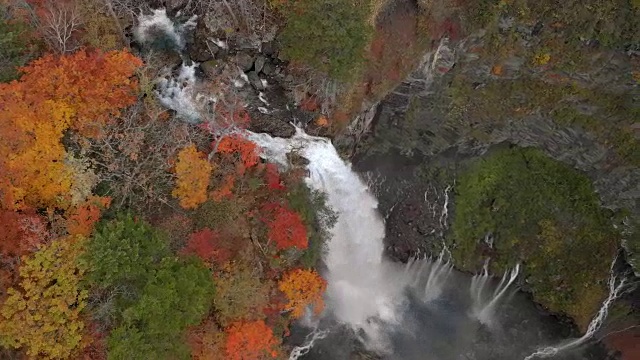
x=193 y=171
x=43 y=313
x=80 y=91
x=303 y=288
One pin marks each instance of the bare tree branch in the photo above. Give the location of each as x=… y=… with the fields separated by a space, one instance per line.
x=58 y=25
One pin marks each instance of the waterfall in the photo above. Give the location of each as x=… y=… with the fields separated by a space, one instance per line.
x=616 y=288
x=361 y=285
x=149 y=26
x=310 y=340
x=483 y=306
x=428 y=276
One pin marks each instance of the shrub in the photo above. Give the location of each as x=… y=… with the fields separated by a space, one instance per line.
x=317 y=217
x=329 y=35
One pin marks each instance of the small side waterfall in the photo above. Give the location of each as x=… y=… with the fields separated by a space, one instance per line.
x=310 y=340
x=484 y=305
x=428 y=276
x=616 y=288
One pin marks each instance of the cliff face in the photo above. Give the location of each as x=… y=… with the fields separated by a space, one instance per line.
x=562 y=78
x=530 y=81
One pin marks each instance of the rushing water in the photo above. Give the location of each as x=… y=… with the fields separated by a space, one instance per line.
x=423 y=309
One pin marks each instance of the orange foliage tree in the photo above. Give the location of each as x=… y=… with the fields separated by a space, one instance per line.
x=285 y=227
x=56 y=93
x=82 y=218
x=244 y=149
x=193 y=171
x=250 y=340
x=303 y=288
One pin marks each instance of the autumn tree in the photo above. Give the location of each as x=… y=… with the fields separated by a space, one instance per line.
x=21 y=233
x=285 y=227
x=207 y=341
x=56 y=93
x=272 y=177
x=250 y=340
x=208 y=245
x=135 y=154
x=240 y=293
x=192 y=171
x=245 y=151
x=82 y=218
x=303 y=288
x=42 y=314
x=59 y=23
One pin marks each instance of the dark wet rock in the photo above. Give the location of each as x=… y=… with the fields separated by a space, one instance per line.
x=198 y=49
x=174 y=6
x=297 y=160
x=269 y=69
x=255 y=81
x=244 y=61
x=268 y=48
x=258 y=65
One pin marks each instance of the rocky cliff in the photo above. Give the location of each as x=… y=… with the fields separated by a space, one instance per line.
x=563 y=78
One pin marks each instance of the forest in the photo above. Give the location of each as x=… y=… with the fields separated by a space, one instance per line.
x=126 y=232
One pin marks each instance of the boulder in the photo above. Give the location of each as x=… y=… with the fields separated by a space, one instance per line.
x=211 y=68
x=244 y=61
x=268 y=48
x=255 y=80
x=259 y=63
x=198 y=49
x=269 y=69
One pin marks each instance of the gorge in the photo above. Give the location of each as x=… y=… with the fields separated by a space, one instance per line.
x=423 y=151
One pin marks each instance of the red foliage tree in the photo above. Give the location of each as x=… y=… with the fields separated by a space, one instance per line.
x=285 y=227
x=20 y=233
x=272 y=176
x=252 y=340
x=207 y=245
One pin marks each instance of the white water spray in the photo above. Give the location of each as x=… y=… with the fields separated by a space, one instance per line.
x=310 y=340
x=615 y=290
x=149 y=27
x=428 y=276
x=361 y=286
x=178 y=93
x=483 y=307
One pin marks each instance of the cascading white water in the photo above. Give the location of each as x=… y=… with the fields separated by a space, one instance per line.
x=428 y=276
x=483 y=306
x=616 y=288
x=361 y=285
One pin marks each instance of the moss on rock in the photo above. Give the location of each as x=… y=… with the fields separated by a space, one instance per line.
x=543 y=214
